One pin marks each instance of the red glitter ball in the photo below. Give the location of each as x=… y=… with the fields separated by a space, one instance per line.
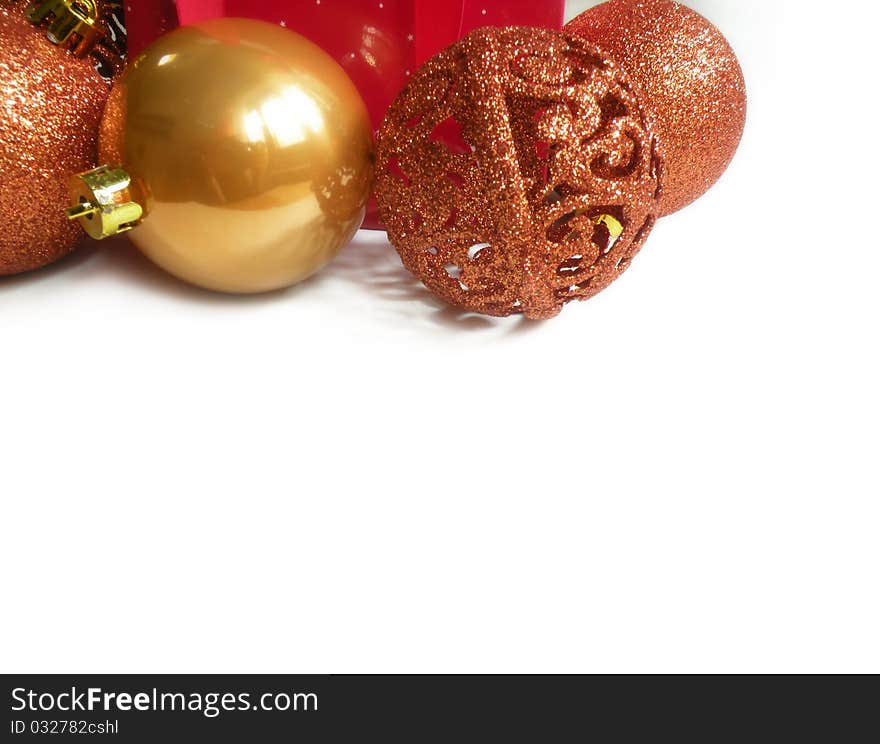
x=49 y=115
x=688 y=78
x=517 y=172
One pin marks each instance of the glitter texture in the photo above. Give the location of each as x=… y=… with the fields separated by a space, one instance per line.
x=688 y=78
x=497 y=162
x=50 y=108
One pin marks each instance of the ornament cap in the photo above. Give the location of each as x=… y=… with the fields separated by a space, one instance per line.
x=74 y=22
x=104 y=202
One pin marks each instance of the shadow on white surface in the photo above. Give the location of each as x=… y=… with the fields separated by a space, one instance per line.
x=366 y=277
x=121 y=261
x=84 y=253
x=371 y=263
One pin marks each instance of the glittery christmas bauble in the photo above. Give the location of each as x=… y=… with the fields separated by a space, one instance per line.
x=50 y=109
x=517 y=172
x=238 y=153
x=687 y=76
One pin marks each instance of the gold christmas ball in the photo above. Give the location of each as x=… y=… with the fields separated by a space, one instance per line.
x=240 y=154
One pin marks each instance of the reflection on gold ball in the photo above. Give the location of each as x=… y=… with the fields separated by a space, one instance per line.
x=688 y=77
x=50 y=109
x=251 y=151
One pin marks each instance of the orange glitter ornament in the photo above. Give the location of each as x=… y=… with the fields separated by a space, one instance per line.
x=50 y=109
x=688 y=77
x=517 y=172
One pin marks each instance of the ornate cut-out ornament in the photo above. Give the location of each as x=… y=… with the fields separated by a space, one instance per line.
x=517 y=172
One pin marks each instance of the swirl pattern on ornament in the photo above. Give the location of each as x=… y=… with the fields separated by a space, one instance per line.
x=517 y=172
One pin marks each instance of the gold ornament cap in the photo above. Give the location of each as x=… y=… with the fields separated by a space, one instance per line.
x=105 y=201
x=74 y=23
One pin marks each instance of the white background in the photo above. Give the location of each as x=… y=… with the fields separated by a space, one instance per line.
x=680 y=475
